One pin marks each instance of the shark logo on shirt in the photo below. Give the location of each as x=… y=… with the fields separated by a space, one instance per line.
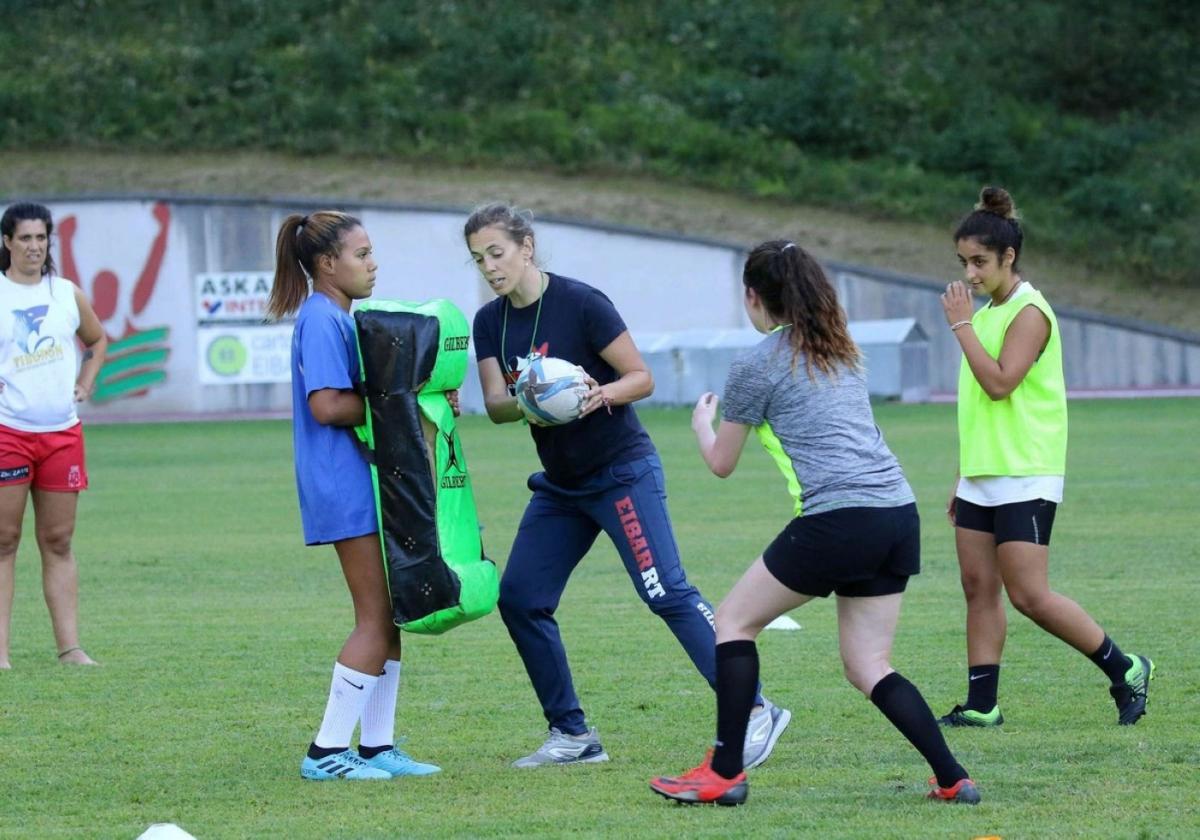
x=27 y=326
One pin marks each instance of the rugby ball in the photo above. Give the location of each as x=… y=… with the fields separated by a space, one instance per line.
x=551 y=391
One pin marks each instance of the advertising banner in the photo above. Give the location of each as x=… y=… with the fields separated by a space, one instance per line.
x=235 y=344
x=235 y=355
x=232 y=296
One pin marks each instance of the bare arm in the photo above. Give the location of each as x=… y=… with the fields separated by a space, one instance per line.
x=501 y=406
x=335 y=407
x=722 y=448
x=95 y=342
x=634 y=380
x=1023 y=343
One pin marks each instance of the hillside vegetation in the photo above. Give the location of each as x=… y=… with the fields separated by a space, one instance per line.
x=900 y=110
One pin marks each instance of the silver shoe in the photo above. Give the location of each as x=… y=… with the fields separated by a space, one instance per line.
x=762 y=732
x=561 y=748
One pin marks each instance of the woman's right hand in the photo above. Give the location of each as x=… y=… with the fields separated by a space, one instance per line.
x=952 y=502
x=957 y=303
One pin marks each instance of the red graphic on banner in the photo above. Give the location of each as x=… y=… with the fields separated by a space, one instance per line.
x=137 y=357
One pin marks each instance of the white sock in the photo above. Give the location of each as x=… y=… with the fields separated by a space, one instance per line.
x=379 y=715
x=348 y=693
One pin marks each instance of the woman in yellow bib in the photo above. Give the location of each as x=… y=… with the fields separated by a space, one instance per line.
x=1012 y=432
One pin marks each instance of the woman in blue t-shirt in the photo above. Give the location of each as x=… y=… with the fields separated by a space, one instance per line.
x=855 y=532
x=337 y=501
x=601 y=473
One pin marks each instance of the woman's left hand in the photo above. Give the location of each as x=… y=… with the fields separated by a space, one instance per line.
x=452 y=398
x=705 y=411
x=594 y=398
x=957 y=302
x=82 y=393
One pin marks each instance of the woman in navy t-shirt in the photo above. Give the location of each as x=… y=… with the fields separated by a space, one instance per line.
x=337 y=500
x=601 y=473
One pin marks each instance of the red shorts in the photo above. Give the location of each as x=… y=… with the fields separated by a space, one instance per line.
x=50 y=460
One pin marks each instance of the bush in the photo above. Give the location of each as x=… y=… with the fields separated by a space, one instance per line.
x=1084 y=110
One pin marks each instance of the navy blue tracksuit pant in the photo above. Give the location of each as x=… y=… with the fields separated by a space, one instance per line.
x=628 y=501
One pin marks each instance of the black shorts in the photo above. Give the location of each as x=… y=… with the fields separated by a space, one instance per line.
x=857 y=552
x=1029 y=521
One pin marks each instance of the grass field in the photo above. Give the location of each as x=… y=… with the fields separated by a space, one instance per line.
x=217 y=628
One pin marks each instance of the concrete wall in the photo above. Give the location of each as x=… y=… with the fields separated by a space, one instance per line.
x=1099 y=351
x=146 y=264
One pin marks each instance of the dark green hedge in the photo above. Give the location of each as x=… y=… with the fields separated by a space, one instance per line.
x=1083 y=109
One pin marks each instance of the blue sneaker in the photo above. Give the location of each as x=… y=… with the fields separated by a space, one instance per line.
x=396 y=762
x=344 y=765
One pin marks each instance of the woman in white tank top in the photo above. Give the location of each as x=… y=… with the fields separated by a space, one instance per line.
x=42 y=377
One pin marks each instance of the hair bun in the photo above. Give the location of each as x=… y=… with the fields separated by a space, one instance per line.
x=997 y=200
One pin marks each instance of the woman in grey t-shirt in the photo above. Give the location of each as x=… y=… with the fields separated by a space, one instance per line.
x=855 y=533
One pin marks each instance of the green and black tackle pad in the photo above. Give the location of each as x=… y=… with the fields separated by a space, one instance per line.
x=411 y=354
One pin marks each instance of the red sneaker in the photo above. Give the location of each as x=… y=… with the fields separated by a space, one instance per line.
x=701 y=784
x=964 y=792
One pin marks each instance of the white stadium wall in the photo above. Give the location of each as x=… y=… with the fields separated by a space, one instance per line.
x=1100 y=352
x=180 y=284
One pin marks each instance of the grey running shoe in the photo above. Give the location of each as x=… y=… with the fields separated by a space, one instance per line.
x=762 y=732
x=561 y=748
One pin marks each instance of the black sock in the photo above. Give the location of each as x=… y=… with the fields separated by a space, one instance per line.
x=371 y=752
x=323 y=752
x=737 y=682
x=904 y=706
x=1111 y=661
x=983 y=681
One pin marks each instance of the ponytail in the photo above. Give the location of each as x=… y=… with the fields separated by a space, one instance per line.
x=795 y=290
x=301 y=240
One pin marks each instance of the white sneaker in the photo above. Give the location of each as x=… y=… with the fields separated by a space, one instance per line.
x=763 y=731
x=561 y=748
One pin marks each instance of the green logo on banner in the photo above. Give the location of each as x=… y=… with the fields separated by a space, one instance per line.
x=227 y=355
x=133 y=365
